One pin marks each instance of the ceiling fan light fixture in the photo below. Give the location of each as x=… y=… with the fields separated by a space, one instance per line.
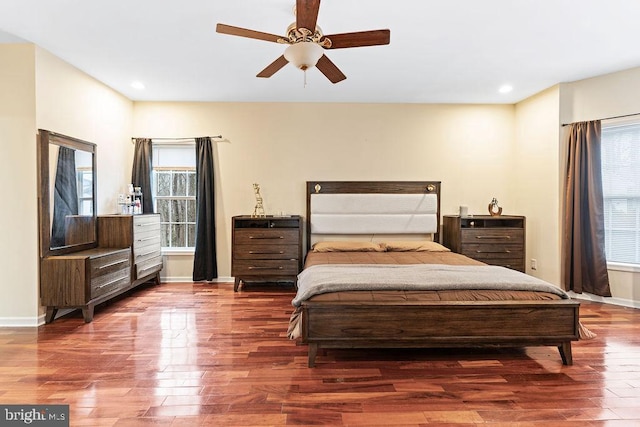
x=304 y=54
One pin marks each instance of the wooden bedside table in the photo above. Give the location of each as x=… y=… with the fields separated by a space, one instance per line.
x=496 y=240
x=266 y=248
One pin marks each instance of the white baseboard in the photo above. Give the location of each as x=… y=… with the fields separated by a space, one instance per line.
x=21 y=322
x=606 y=300
x=34 y=322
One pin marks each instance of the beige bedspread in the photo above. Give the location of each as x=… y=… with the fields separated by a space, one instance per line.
x=450 y=258
x=321 y=279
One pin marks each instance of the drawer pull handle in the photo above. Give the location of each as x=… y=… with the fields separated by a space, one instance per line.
x=266 y=268
x=146 y=224
x=151 y=267
x=146 y=253
x=493 y=237
x=110 y=283
x=506 y=251
x=112 y=264
x=266 y=237
x=266 y=253
x=147 y=238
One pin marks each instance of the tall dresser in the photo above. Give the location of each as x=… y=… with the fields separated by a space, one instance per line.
x=266 y=248
x=495 y=240
x=141 y=233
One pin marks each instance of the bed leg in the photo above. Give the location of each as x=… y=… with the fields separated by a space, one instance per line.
x=313 y=351
x=565 y=353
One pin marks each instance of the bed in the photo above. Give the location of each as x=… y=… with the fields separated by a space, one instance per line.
x=376 y=277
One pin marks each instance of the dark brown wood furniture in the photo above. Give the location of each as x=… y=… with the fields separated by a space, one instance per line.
x=141 y=233
x=266 y=249
x=83 y=279
x=78 y=228
x=83 y=269
x=495 y=240
x=347 y=324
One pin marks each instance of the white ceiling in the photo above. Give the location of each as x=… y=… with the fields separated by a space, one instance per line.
x=449 y=51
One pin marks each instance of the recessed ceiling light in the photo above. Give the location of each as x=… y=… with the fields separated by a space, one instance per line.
x=137 y=85
x=505 y=89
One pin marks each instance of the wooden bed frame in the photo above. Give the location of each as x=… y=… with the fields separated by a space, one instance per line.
x=432 y=324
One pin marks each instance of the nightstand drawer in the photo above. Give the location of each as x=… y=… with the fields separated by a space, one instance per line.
x=492 y=236
x=269 y=236
x=265 y=267
x=513 y=263
x=483 y=252
x=266 y=251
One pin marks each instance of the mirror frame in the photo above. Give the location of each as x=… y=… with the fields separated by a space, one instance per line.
x=45 y=138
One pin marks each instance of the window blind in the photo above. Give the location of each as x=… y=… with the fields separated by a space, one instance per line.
x=621 y=190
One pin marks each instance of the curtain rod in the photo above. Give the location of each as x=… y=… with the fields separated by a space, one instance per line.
x=133 y=140
x=608 y=118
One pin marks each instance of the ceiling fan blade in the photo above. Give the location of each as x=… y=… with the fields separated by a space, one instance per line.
x=307 y=14
x=273 y=67
x=359 y=39
x=243 y=32
x=330 y=70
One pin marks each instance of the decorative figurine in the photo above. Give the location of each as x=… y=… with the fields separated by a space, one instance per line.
x=494 y=209
x=258 y=211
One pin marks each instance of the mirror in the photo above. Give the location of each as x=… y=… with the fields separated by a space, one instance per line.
x=67 y=189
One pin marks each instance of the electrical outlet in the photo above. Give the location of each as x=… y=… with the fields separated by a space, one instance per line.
x=534 y=264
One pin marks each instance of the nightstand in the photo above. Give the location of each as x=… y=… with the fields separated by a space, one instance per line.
x=495 y=240
x=266 y=249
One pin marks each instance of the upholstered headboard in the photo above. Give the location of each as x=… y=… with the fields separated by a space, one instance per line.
x=373 y=208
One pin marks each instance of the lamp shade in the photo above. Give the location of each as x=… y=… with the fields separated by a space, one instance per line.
x=303 y=54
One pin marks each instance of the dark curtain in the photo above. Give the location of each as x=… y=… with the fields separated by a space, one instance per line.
x=205 y=266
x=65 y=194
x=584 y=264
x=141 y=171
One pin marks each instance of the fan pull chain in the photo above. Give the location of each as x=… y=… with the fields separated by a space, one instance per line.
x=305 y=78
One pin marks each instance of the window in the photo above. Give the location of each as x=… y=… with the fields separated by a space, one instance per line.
x=84 y=176
x=174 y=193
x=621 y=189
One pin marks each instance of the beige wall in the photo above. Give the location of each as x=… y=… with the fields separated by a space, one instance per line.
x=38 y=90
x=19 y=212
x=601 y=97
x=281 y=146
x=536 y=183
x=72 y=103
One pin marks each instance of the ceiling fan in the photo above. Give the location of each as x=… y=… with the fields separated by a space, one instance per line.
x=307 y=43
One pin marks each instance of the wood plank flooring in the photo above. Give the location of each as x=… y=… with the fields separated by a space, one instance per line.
x=201 y=355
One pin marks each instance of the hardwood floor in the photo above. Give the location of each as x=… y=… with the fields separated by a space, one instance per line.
x=199 y=354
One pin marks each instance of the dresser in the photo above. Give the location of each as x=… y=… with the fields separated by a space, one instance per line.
x=83 y=279
x=141 y=233
x=266 y=249
x=495 y=240
x=128 y=254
